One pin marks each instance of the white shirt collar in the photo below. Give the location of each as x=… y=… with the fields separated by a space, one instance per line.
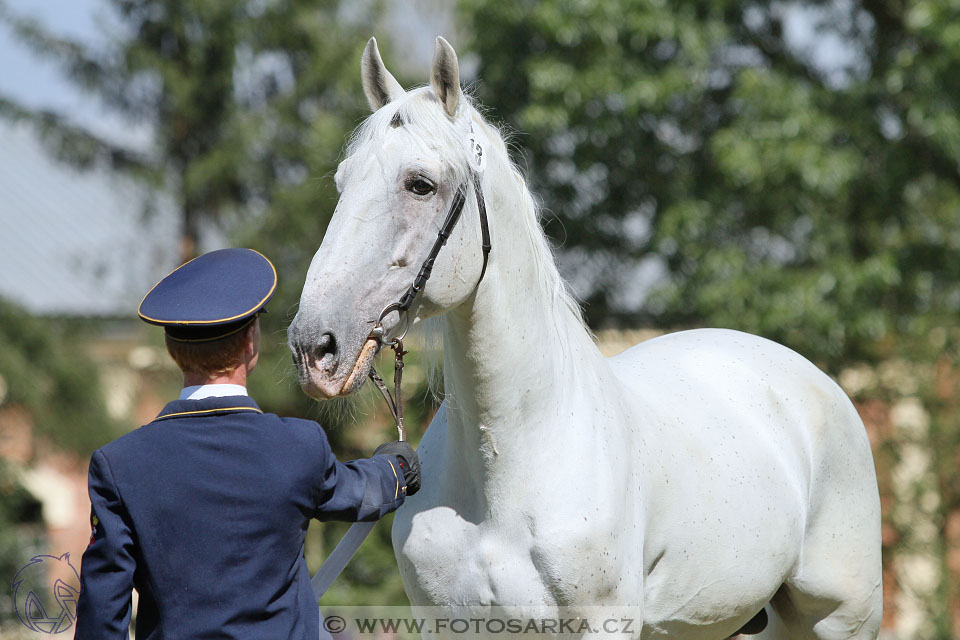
x=201 y=391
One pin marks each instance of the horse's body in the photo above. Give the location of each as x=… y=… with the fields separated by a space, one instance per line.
x=702 y=470
x=693 y=479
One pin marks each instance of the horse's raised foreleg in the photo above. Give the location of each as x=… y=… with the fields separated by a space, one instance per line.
x=835 y=591
x=826 y=614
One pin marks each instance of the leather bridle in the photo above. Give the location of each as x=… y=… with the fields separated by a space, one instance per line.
x=402 y=306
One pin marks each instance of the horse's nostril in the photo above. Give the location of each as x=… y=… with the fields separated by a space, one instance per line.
x=327 y=344
x=320 y=355
x=325 y=352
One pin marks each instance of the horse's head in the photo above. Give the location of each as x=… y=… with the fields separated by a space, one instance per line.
x=401 y=175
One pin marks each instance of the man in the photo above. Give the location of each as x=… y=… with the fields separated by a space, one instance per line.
x=205 y=509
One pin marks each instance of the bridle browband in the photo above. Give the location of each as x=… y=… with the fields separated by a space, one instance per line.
x=394 y=402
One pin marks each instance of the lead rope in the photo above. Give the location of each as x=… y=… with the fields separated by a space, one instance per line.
x=395 y=401
x=338 y=559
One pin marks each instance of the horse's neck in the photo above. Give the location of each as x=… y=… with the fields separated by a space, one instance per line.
x=514 y=362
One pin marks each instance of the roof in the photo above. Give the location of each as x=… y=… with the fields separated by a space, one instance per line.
x=77 y=242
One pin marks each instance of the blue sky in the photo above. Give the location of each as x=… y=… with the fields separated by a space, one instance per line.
x=37 y=82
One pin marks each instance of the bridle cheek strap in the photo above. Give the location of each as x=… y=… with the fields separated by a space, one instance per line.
x=395 y=401
x=453 y=216
x=485 y=245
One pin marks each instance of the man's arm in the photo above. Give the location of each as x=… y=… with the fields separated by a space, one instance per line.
x=106 y=573
x=365 y=489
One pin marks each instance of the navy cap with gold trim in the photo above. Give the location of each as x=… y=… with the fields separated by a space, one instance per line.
x=212 y=296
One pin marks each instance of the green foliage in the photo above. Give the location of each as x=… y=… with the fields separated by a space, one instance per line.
x=21 y=527
x=249 y=104
x=46 y=374
x=46 y=379
x=816 y=205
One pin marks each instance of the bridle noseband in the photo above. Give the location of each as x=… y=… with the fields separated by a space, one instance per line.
x=402 y=306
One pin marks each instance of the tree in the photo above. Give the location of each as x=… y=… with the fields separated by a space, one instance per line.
x=703 y=152
x=21 y=527
x=249 y=104
x=47 y=377
x=46 y=383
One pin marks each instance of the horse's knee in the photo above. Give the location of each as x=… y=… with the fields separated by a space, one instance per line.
x=846 y=617
x=856 y=619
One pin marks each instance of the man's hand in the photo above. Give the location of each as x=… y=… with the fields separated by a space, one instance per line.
x=409 y=462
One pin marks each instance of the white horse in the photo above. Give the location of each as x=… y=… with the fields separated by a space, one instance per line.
x=699 y=479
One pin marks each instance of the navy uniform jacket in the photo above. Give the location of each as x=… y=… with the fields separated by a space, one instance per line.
x=204 y=511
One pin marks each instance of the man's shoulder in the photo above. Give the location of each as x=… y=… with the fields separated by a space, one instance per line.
x=163 y=431
x=120 y=444
x=297 y=425
x=297 y=441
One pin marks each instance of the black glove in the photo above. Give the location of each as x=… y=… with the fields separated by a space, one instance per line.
x=409 y=462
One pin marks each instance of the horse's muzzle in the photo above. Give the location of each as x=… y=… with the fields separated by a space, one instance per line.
x=319 y=366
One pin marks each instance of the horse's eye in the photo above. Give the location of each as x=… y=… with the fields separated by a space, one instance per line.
x=420 y=186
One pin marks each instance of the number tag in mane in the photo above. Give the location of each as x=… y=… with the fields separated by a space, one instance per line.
x=478 y=157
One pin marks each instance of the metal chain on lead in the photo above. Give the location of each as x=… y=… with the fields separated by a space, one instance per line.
x=394 y=401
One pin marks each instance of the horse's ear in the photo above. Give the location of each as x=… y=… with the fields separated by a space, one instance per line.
x=446 y=76
x=378 y=83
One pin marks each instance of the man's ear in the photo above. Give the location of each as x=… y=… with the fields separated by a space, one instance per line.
x=252 y=343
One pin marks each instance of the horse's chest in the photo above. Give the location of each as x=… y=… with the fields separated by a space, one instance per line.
x=449 y=560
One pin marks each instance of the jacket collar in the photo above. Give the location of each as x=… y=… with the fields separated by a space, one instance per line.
x=216 y=406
